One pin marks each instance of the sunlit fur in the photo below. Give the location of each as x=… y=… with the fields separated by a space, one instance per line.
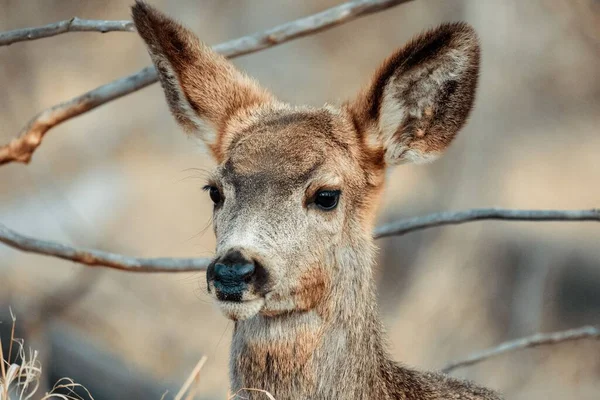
x=312 y=330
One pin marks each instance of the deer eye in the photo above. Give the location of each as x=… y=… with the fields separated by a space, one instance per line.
x=327 y=199
x=214 y=193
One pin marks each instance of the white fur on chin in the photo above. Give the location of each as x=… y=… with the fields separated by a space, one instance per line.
x=241 y=310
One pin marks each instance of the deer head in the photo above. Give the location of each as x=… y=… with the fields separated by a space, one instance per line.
x=296 y=189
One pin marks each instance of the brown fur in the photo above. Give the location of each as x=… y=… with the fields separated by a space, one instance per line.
x=309 y=327
x=212 y=87
x=434 y=78
x=313 y=288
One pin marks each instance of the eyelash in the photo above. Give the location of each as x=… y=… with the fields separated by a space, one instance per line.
x=215 y=194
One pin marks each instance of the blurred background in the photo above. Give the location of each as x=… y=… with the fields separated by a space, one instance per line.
x=122 y=178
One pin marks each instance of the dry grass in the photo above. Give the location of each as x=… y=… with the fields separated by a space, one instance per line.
x=194 y=379
x=20 y=379
x=237 y=395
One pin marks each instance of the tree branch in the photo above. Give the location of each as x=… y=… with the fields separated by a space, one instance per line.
x=460 y=217
x=134 y=264
x=69 y=25
x=21 y=148
x=100 y=258
x=540 y=339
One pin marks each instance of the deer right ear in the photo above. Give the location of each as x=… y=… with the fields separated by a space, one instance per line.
x=421 y=96
x=203 y=90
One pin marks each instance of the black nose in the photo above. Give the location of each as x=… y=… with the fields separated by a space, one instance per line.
x=230 y=275
x=233 y=274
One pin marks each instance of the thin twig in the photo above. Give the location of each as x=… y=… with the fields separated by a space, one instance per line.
x=235 y=395
x=460 y=217
x=193 y=376
x=21 y=148
x=2 y=368
x=539 y=339
x=134 y=264
x=69 y=25
x=12 y=334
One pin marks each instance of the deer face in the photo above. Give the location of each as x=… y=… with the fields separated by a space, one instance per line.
x=295 y=189
x=290 y=190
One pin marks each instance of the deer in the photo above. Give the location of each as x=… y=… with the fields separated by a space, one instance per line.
x=296 y=191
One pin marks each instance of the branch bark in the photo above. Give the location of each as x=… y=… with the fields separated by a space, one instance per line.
x=21 y=148
x=69 y=25
x=539 y=339
x=134 y=264
x=453 y=218
x=100 y=258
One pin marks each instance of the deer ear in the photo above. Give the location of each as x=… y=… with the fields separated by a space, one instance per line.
x=203 y=90
x=421 y=95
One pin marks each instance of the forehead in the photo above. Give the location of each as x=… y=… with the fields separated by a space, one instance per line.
x=287 y=146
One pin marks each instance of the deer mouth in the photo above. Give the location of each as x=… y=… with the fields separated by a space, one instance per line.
x=230 y=292
x=241 y=310
x=237 y=300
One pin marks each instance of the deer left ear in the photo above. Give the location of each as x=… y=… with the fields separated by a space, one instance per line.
x=204 y=91
x=422 y=95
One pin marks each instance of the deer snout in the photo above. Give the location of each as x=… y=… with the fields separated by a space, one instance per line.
x=231 y=275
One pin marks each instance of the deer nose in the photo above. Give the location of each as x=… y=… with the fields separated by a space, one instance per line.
x=230 y=275
x=233 y=274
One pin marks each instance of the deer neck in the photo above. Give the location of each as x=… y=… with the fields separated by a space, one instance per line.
x=325 y=353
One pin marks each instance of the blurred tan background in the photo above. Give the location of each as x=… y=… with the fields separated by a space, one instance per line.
x=124 y=178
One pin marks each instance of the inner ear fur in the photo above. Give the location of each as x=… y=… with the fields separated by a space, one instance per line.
x=421 y=95
x=203 y=90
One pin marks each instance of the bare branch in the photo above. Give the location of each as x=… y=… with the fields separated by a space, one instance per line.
x=454 y=218
x=70 y=25
x=324 y=20
x=100 y=258
x=540 y=339
x=134 y=264
x=21 y=148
